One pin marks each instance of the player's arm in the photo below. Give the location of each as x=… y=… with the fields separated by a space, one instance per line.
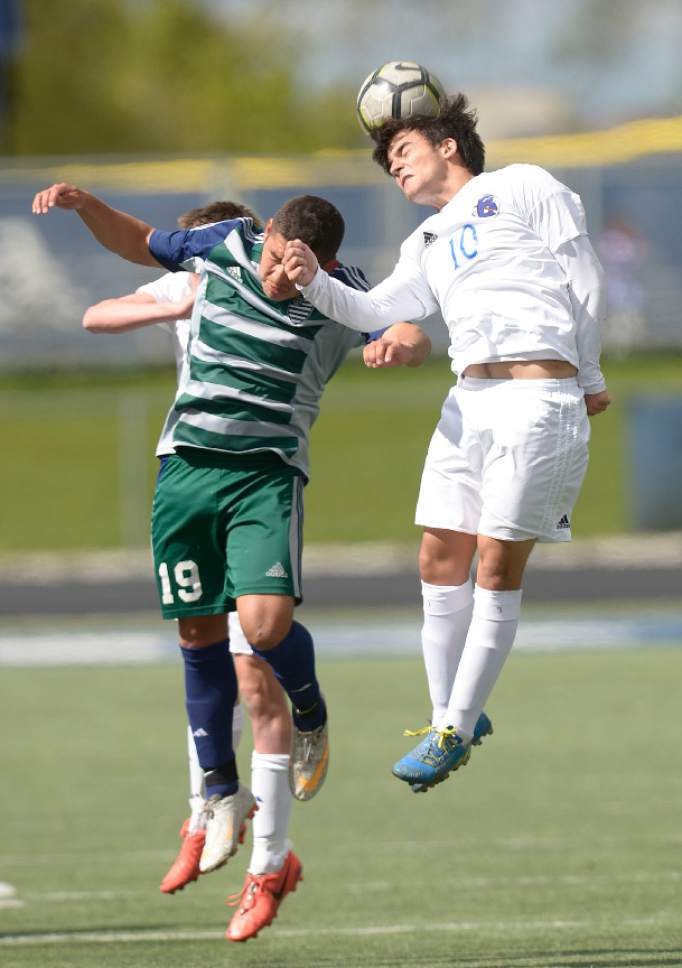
x=403 y=295
x=556 y=214
x=136 y=310
x=586 y=288
x=403 y=344
x=117 y=231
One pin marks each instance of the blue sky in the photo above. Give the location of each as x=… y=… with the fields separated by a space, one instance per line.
x=607 y=60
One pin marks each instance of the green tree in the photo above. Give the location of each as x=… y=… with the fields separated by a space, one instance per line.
x=164 y=76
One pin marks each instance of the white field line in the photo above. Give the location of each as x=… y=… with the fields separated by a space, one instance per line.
x=377 y=887
x=8 y=896
x=539 y=880
x=516 y=926
x=71 y=857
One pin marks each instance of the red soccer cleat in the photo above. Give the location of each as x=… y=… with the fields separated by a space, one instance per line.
x=185 y=867
x=260 y=898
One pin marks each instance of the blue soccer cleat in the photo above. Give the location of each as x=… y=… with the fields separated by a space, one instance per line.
x=482 y=728
x=440 y=753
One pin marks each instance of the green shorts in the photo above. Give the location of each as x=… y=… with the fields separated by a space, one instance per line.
x=225 y=525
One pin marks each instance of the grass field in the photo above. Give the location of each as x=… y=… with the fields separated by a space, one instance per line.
x=79 y=469
x=559 y=845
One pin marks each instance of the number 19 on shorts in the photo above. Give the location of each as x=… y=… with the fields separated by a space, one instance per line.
x=187 y=582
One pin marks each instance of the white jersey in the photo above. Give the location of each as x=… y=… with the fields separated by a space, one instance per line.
x=491 y=261
x=172 y=287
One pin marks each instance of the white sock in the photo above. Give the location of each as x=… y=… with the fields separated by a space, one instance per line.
x=491 y=636
x=196 y=786
x=270 y=786
x=447 y=614
x=237 y=725
x=197 y=790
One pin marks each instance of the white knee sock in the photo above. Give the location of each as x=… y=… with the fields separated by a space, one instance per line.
x=270 y=786
x=491 y=636
x=447 y=614
x=197 y=790
x=237 y=725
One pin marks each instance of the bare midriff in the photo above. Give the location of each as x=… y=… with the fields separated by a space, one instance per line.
x=521 y=370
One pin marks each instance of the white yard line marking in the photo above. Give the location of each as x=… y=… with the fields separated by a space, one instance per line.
x=8 y=896
x=128 y=937
x=68 y=857
x=379 y=886
x=61 y=896
x=531 y=880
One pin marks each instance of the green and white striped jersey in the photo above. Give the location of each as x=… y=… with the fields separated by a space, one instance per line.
x=256 y=367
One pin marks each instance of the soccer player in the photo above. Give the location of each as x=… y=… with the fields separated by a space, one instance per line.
x=273 y=869
x=507 y=261
x=227 y=513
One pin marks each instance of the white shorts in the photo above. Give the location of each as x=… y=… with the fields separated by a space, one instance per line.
x=506 y=460
x=238 y=643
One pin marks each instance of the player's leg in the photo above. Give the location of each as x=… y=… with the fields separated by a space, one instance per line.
x=447 y=596
x=292 y=659
x=210 y=695
x=190 y=567
x=274 y=870
x=447 y=617
x=185 y=868
x=264 y=559
x=287 y=646
x=497 y=607
x=197 y=787
x=271 y=722
x=535 y=460
x=448 y=508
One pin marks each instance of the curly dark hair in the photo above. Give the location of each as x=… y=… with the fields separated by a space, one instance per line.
x=314 y=221
x=217 y=212
x=455 y=120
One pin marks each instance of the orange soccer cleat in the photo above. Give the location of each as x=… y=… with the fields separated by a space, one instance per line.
x=185 y=867
x=260 y=898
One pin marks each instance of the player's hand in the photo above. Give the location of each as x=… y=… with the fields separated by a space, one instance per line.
x=61 y=195
x=186 y=304
x=299 y=262
x=403 y=344
x=597 y=402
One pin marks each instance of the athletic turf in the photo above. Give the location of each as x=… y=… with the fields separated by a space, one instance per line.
x=558 y=845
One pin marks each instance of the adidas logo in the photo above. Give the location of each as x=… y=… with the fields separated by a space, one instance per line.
x=200 y=732
x=277 y=571
x=564 y=522
x=429 y=239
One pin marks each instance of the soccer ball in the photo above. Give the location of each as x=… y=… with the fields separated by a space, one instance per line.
x=399 y=89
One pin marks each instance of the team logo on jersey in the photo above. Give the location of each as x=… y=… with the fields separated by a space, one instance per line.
x=429 y=239
x=300 y=309
x=486 y=206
